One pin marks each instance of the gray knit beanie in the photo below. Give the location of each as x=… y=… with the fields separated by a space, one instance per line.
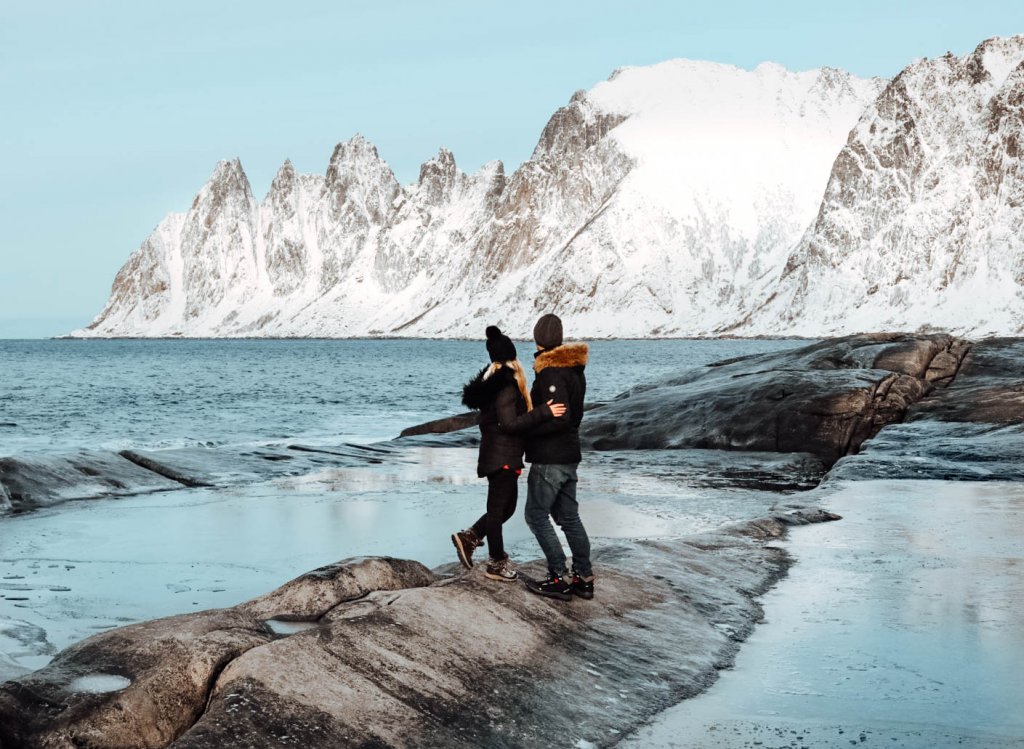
x=548 y=331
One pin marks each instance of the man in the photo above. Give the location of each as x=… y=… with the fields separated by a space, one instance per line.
x=553 y=450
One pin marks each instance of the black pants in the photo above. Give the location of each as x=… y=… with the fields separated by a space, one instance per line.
x=501 y=505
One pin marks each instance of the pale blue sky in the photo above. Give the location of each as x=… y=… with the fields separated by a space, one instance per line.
x=114 y=113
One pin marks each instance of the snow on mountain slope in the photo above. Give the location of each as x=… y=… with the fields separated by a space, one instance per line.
x=661 y=202
x=922 y=223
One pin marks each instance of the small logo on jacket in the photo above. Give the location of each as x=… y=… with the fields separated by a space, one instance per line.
x=551 y=389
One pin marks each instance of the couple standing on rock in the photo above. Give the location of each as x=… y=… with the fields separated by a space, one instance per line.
x=544 y=422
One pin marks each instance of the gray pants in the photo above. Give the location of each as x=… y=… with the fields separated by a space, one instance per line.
x=551 y=493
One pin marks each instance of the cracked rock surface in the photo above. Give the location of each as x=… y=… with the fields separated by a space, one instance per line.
x=973 y=429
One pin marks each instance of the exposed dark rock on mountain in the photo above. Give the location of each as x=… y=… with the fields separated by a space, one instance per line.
x=920 y=225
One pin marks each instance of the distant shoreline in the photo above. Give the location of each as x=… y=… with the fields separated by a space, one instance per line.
x=415 y=338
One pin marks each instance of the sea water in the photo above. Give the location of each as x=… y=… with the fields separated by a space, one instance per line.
x=116 y=394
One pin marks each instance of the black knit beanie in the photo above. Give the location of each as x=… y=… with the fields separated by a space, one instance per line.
x=548 y=331
x=499 y=345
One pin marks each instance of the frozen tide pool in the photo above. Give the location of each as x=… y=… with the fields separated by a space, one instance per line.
x=902 y=625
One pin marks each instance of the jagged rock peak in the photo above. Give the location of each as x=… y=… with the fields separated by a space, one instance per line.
x=438 y=176
x=227 y=170
x=355 y=154
x=995 y=58
x=442 y=164
x=493 y=175
x=355 y=147
x=574 y=128
x=284 y=179
x=228 y=177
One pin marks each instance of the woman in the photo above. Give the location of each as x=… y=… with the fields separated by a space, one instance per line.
x=500 y=393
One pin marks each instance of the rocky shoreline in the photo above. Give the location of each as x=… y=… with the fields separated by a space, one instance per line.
x=392 y=654
x=383 y=652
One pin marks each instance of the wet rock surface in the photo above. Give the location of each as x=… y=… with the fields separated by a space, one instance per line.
x=30 y=481
x=401 y=657
x=897 y=627
x=720 y=469
x=443 y=426
x=971 y=430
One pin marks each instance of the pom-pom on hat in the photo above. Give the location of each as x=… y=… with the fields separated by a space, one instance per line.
x=499 y=345
x=548 y=331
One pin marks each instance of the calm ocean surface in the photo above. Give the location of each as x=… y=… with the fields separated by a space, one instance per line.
x=62 y=394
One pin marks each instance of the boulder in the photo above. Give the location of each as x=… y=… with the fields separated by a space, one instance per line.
x=825 y=398
x=145 y=684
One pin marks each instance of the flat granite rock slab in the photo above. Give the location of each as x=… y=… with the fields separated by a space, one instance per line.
x=29 y=481
x=468 y=662
x=35 y=480
x=229 y=465
x=460 y=438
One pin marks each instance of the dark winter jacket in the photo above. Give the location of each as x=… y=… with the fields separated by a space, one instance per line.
x=560 y=377
x=503 y=419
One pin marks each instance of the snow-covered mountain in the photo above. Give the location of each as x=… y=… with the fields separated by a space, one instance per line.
x=922 y=222
x=664 y=201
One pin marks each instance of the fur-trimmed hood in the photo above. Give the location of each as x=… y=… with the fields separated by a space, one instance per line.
x=480 y=392
x=566 y=355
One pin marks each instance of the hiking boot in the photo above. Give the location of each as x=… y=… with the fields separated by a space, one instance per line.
x=466 y=542
x=501 y=569
x=556 y=586
x=582 y=586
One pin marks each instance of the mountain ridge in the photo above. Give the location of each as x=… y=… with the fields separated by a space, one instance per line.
x=670 y=200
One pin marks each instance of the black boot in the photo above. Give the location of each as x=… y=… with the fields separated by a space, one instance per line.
x=556 y=586
x=581 y=586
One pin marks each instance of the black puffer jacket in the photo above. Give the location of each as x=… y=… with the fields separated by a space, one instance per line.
x=503 y=419
x=560 y=377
